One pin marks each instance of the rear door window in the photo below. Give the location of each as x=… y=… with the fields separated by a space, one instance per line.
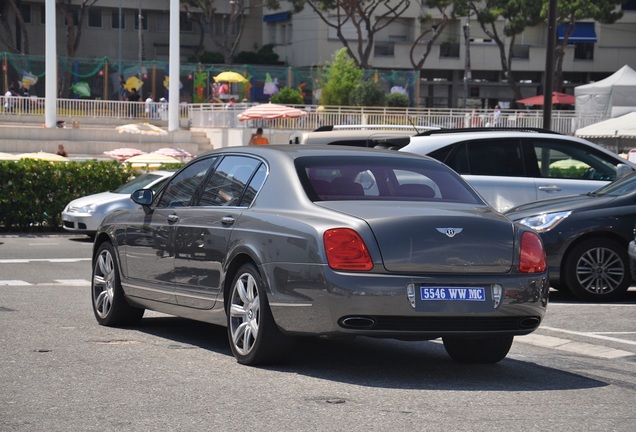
x=493 y=157
x=571 y=160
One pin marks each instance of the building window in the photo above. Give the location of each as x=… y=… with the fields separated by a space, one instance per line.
x=25 y=11
x=384 y=49
x=449 y=49
x=185 y=23
x=95 y=17
x=115 y=19
x=629 y=5
x=521 y=51
x=144 y=20
x=584 y=51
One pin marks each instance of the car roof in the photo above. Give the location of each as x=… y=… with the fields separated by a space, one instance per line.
x=430 y=141
x=294 y=151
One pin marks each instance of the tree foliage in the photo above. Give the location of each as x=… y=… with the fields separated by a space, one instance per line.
x=339 y=78
x=397 y=100
x=367 y=93
x=287 y=96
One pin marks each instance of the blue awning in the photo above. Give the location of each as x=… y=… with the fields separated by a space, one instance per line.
x=583 y=32
x=282 y=16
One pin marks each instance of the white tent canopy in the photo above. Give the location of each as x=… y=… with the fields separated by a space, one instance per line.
x=619 y=127
x=610 y=97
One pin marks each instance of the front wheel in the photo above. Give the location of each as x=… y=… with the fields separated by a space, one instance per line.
x=109 y=304
x=254 y=337
x=597 y=270
x=478 y=350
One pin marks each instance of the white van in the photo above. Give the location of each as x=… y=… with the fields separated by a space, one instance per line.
x=386 y=136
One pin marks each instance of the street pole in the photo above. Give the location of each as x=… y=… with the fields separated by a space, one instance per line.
x=549 y=66
x=467 y=72
x=50 y=47
x=173 y=84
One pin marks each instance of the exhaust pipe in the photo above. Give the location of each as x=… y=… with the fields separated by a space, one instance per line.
x=529 y=323
x=357 y=322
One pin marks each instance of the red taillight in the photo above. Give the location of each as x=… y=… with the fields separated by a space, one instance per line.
x=532 y=259
x=346 y=250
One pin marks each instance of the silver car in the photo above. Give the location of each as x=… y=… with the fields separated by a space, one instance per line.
x=278 y=242
x=83 y=215
x=513 y=167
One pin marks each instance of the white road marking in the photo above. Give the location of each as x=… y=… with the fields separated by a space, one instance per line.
x=573 y=347
x=13 y=283
x=51 y=260
x=591 y=335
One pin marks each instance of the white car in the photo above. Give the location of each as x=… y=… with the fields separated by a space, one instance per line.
x=513 y=167
x=85 y=214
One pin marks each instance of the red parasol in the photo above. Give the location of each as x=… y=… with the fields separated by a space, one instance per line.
x=557 y=98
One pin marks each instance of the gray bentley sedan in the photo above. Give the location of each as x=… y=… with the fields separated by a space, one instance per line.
x=280 y=242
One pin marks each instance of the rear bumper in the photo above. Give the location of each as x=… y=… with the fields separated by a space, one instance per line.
x=324 y=302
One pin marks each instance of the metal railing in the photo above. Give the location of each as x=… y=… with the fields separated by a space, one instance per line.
x=222 y=116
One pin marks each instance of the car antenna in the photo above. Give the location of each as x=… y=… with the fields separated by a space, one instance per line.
x=413 y=124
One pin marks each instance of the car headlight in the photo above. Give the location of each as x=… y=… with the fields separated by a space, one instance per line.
x=85 y=209
x=544 y=221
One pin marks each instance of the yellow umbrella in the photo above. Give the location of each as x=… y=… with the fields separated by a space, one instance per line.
x=8 y=157
x=51 y=157
x=229 y=76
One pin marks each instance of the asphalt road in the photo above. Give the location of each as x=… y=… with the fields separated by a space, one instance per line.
x=60 y=371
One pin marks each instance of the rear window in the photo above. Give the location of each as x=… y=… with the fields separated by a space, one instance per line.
x=387 y=179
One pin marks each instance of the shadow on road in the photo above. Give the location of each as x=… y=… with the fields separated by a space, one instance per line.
x=383 y=363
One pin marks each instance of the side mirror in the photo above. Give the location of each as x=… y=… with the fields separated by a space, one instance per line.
x=144 y=198
x=622 y=169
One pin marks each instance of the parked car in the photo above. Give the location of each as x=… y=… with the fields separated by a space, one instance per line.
x=276 y=242
x=357 y=135
x=586 y=238
x=83 y=215
x=511 y=167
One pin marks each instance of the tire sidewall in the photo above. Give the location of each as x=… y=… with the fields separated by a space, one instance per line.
x=574 y=256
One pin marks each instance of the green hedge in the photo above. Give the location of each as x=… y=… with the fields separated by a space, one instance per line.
x=33 y=193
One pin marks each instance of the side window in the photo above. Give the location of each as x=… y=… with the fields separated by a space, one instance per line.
x=501 y=157
x=573 y=160
x=255 y=185
x=228 y=181
x=183 y=185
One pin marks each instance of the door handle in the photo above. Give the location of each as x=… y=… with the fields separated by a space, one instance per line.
x=172 y=218
x=227 y=220
x=550 y=188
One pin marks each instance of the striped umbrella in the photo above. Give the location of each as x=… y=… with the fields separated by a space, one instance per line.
x=271 y=111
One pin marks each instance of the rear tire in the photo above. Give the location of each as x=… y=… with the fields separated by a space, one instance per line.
x=109 y=303
x=598 y=270
x=478 y=350
x=254 y=337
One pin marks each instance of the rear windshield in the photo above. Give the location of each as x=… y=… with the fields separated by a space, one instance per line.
x=331 y=178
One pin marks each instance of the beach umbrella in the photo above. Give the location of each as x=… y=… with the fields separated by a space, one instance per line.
x=150 y=161
x=557 y=99
x=141 y=128
x=8 y=157
x=51 y=157
x=270 y=111
x=174 y=152
x=123 y=153
x=229 y=76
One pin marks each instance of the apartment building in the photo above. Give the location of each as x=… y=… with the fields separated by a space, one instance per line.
x=303 y=40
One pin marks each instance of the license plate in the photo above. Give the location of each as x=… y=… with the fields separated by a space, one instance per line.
x=453 y=293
